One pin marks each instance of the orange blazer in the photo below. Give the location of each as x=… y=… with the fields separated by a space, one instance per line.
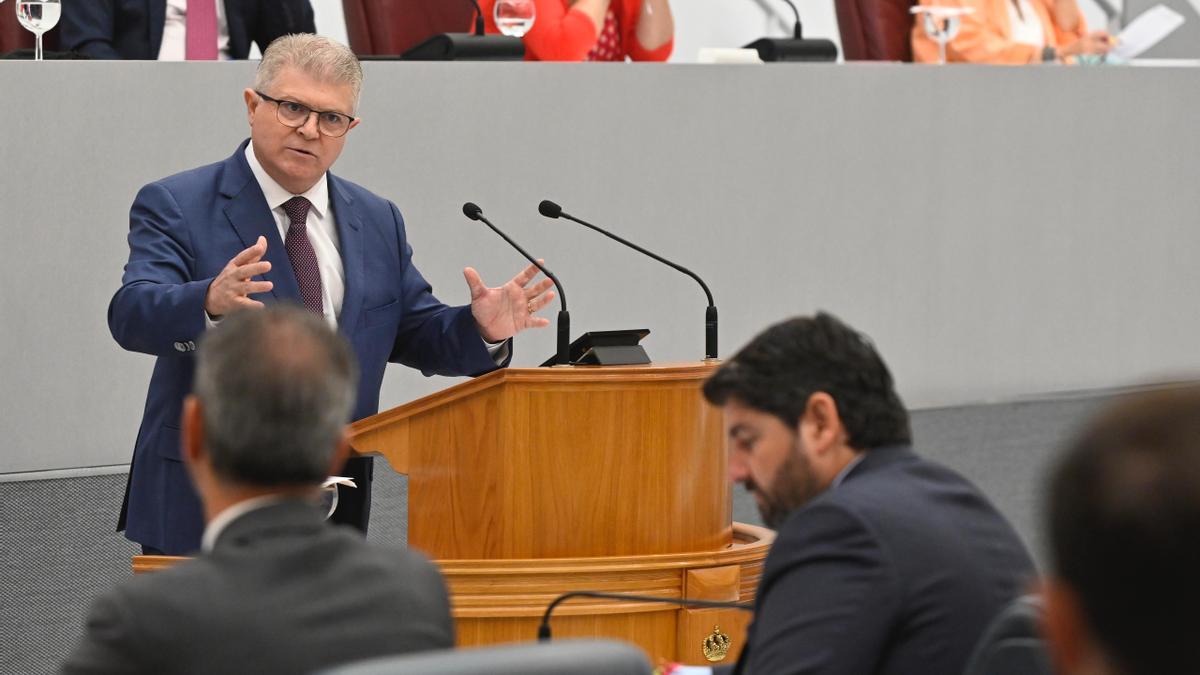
x=986 y=35
x=561 y=34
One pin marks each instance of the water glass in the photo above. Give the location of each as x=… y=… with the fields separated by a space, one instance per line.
x=941 y=24
x=38 y=16
x=514 y=17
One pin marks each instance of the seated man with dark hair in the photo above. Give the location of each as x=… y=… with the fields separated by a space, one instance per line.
x=885 y=562
x=276 y=588
x=1124 y=513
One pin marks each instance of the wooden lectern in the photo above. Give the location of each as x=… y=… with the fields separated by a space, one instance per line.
x=528 y=483
x=525 y=484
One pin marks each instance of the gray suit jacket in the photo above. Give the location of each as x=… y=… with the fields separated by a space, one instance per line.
x=281 y=592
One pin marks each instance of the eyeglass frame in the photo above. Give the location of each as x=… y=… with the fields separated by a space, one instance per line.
x=280 y=101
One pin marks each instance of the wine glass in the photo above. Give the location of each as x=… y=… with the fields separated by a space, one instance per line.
x=38 y=16
x=514 y=17
x=941 y=24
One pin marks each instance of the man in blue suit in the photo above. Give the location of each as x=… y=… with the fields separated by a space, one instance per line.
x=271 y=224
x=885 y=562
x=151 y=29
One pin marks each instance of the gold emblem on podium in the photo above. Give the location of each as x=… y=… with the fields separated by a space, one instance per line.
x=717 y=645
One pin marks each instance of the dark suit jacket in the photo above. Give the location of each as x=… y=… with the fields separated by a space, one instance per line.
x=897 y=571
x=281 y=592
x=132 y=29
x=183 y=230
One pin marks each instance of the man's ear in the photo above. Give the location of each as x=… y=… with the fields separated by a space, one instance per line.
x=191 y=434
x=340 y=455
x=1064 y=626
x=820 y=425
x=252 y=101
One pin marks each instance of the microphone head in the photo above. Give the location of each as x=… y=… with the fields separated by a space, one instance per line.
x=549 y=209
x=472 y=210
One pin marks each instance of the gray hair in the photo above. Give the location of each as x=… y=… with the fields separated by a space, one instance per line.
x=276 y=387
x=318 y=56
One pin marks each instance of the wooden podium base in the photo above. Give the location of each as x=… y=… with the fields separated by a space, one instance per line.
x=498 y=601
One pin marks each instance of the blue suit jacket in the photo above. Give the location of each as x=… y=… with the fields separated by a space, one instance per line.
x=182 y=231
x=133 y=29
x=896 y=571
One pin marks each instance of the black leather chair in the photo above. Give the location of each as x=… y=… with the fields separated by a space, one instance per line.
x=1013 y=642
x=561 y=657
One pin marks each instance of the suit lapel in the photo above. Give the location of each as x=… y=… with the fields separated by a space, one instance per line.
x=350 y=239
x=247 y=212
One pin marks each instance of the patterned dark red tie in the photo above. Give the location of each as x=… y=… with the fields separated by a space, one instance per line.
x=302 y=255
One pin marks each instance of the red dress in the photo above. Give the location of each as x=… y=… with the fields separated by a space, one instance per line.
x=559 y=34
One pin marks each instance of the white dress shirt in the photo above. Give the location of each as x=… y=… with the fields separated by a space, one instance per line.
x=174 y=37
x=322 y=232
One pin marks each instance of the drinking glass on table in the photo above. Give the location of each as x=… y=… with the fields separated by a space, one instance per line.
x=941 y=24
x=514 y=17
x=38 y=16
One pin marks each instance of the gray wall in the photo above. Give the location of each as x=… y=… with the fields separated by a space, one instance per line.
x=998 y=231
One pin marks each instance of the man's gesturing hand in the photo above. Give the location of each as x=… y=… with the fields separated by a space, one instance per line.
x=503 y=312
x=230 y=291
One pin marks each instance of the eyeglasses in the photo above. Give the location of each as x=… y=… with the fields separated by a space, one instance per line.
x=295 y=115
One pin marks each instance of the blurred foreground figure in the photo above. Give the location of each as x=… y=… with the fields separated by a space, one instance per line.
x=885 y=562
x=1124 y=512
x=276 y=588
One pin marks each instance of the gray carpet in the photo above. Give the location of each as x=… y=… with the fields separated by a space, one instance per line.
x=58 y=548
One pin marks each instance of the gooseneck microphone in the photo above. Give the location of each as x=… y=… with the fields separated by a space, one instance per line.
x=551 y=210
x=472 y=211
x=544 y=626
x=479 y=19
x=796 y=32
x=796 y=47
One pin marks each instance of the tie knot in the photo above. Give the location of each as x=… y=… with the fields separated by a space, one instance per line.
x=296 y=209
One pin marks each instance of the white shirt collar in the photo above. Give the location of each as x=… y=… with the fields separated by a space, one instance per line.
x=317 y=195
x=217 y=525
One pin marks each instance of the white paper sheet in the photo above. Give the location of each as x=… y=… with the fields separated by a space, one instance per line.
x=1146 y=31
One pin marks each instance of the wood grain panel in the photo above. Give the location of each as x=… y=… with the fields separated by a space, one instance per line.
x=497 y=601
x=721 y=584
x=694 y=625
x=653 y=632
x=561 y=462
